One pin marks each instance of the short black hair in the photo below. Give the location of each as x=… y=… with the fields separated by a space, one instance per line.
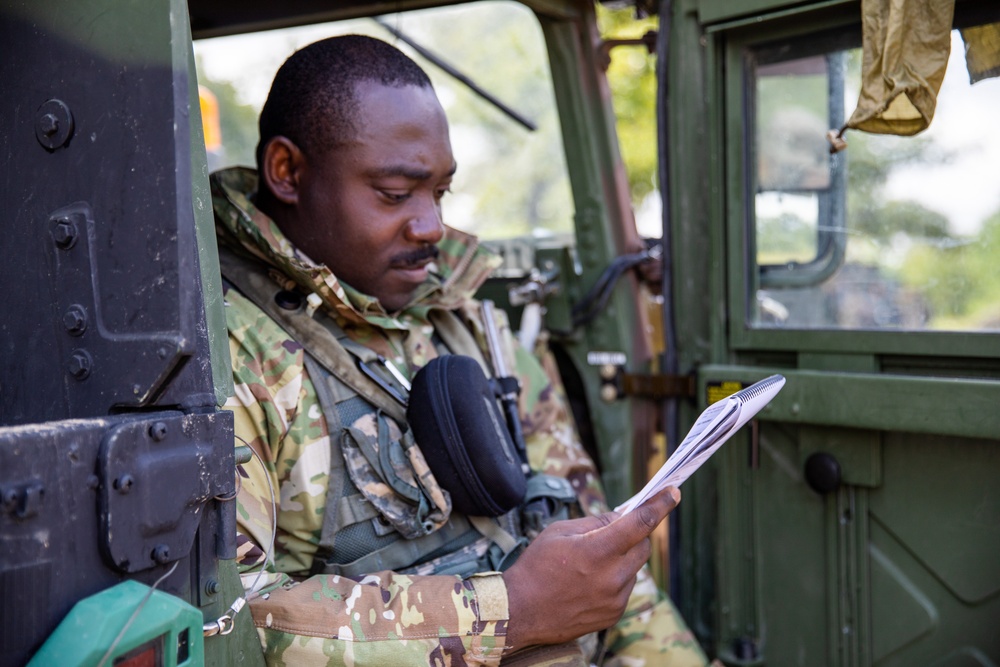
x=313 y=98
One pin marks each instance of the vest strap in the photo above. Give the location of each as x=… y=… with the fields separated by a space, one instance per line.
x=336 y=474
x=401 y=554
x=457 y=337
x=322 y=342
x=487 y=527
x=352 y=509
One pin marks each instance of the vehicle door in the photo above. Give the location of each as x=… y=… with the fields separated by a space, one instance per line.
x=116 y=467
x=858 y=521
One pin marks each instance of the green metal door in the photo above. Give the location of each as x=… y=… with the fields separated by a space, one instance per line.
x=858 y=521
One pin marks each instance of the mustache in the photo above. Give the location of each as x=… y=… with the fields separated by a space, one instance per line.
x=415 y=256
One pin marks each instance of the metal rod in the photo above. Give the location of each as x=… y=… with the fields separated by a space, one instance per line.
x=508 y=397
x=670 y=363
x=449 y=69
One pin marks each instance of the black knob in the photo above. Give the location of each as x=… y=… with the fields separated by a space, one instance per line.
x=288 y=300
x=823 y=473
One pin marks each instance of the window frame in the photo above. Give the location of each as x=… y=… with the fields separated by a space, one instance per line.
x=742 y=281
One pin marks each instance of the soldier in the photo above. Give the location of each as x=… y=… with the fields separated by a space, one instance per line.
x=339 y=270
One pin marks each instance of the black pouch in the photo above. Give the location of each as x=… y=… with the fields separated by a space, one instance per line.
x=462 y=434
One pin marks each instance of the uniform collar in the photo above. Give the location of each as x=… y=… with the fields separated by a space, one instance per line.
x=462 y=265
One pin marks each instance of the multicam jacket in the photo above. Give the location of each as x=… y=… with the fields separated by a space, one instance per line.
x=382 y=618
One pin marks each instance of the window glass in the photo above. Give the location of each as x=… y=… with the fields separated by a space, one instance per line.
x=511 y=182
x=892 y=232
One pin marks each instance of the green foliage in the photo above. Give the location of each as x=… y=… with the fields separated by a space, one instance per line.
x=956 y=276
x=632 y=78
x=516 y=179
x=960 y=279
x=237 y=120
x=785 y=238
x=870 y=161
x=510 y=182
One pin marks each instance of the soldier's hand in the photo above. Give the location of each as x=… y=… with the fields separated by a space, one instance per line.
x=577 y=575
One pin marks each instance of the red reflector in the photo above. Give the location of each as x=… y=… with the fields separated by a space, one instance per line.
x=149 y=654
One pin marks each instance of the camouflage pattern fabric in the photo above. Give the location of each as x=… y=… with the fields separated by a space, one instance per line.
x=382 y=618
x=402 y=510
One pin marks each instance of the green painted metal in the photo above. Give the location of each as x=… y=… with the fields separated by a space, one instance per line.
x=697 y=199
x=711 y=11
x=95 y=623
x=587 y=123
x=870 y=401
x=898 y=566
x=201 y=201
x=720 y=15
x=890 y=343
x=933 y=545
x=240 y=648
x=889 y=574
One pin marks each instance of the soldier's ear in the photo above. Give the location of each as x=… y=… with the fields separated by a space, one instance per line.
x=282 y=169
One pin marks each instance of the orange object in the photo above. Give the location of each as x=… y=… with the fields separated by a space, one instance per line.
x=210 y=119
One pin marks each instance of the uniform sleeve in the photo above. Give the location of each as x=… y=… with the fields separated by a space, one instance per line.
x=381 y=618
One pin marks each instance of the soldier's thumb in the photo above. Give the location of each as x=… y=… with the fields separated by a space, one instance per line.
x=636 y=526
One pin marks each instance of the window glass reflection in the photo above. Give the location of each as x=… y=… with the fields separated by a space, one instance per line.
x=910 y=240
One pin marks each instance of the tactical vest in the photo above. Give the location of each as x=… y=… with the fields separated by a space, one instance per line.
x=384 y=509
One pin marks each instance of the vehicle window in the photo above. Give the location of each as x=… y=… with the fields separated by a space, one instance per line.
x=511 y=182
x=892 y=232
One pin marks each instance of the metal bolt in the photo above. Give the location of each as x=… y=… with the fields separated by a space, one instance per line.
x=213 y=587
x=93 y=482
x=80 y=364
x=609 y=393
x=53 y=124
x=65 y=233
x=161 y=553
x=48 y=124
x=158 y=431
x=75 y=319
x=124 y=483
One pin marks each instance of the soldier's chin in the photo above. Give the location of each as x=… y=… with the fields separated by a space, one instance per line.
x=395 y=300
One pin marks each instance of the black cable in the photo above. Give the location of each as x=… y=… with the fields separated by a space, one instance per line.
x=597 y=297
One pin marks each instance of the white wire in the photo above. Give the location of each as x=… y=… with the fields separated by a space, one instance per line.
x=274 y=521
x=242 y=600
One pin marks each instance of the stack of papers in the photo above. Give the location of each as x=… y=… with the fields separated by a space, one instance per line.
x=715 y=425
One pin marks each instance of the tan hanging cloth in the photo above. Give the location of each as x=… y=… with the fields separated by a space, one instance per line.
x=905 y=46
x=982 y=51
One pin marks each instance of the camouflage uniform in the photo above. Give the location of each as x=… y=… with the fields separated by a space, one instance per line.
x=381 y=618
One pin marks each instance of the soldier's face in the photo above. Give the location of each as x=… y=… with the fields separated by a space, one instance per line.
x=376 y=202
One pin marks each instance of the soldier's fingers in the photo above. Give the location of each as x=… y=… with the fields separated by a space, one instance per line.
x=625 y=532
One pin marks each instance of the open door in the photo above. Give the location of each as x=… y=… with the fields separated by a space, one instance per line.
x=115 y=465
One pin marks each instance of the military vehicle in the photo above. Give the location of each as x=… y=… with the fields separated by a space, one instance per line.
x=855 y=522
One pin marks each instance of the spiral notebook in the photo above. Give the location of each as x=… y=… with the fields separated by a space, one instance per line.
x=714 y=426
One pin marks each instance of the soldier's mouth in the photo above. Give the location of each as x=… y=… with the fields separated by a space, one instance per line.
x=416 y=260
